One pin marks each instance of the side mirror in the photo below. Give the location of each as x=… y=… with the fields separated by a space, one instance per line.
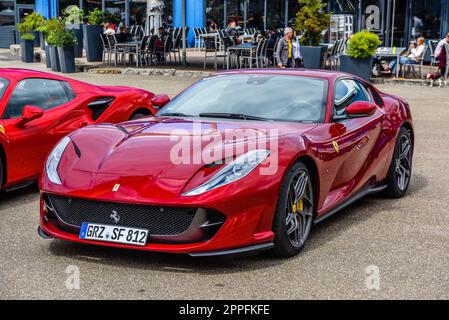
x=360 y=109
x=29 y=114
x=160 y=101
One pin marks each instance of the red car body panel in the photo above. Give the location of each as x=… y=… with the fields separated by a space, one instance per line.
x=26 y=148
x=148 y=177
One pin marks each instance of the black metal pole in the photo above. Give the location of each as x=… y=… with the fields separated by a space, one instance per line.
x=184 y=34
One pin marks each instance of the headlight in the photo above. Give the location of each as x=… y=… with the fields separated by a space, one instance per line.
x=53 y=160
x=234 y=171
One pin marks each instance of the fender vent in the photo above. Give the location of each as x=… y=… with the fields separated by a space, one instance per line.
x=98 y=106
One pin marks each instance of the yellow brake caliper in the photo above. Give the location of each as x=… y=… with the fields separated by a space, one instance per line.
x=299 y=206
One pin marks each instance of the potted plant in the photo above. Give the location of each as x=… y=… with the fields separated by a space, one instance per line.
x=65 y=41
x=311 y=21
x=27 y=47
x=74 y=22
x=32 y=22
x=91 y=33
x=48 y=29
x=359 y=58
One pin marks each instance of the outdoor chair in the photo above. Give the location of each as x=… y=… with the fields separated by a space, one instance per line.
x=150 y=50
x=162 y=53
x=198 y=39
x=332 y=58
x=177 y=43
x=117 y=52
x=107 y=50
x=411 y=67
x=433 y=60
x=139 y=52
x=261 y=58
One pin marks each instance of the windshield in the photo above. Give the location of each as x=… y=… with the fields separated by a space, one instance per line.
x=265 y=96
x=3 y=86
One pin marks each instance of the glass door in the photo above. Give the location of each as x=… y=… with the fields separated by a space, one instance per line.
x=22 y=10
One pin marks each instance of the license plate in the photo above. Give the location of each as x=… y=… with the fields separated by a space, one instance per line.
x=116 y=234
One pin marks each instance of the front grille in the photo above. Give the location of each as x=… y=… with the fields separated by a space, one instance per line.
x=158 y=220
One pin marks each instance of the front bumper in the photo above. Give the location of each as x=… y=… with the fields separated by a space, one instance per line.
x=246 y=228
x=231 y=252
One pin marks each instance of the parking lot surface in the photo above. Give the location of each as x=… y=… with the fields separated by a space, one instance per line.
x=405 y=241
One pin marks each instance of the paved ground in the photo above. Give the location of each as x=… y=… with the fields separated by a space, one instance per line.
x=406 y=240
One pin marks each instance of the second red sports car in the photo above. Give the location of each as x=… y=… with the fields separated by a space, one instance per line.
x=241 y=161
x=37 y=109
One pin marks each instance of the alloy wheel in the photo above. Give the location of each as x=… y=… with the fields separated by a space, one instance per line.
x=299 y=209
x=404 y=163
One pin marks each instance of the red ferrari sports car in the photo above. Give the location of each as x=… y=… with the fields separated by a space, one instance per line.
x=242 y=161
x=38 y=109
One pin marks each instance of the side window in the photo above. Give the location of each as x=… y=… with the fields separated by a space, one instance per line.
x=348 y=91
x=43 y=93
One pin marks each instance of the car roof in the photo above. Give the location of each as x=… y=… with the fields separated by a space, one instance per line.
x=19 y=74
x=322 y=74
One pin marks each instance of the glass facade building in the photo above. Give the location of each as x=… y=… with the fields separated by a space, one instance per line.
x=396 y=21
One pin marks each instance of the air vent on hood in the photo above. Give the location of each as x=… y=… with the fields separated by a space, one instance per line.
x=98 y=106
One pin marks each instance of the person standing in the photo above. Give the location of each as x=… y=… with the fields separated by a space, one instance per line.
x=297 y=56
x=284 y=50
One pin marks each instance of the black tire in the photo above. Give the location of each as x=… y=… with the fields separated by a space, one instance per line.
x=285 y=244
x=1 y=174
x=401 y=166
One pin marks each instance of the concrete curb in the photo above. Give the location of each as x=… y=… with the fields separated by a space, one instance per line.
x=150 y=72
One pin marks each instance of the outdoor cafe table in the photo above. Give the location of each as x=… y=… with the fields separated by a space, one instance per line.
x=245 y=47
x=126 y=46
x=388 y=52
x=213 y=36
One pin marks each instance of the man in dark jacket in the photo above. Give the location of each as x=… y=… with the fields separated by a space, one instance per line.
x=284 y=50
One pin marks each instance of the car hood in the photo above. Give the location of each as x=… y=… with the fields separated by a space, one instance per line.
x=171 y=148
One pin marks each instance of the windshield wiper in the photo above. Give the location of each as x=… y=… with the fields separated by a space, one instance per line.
x=238 y=116
x=174 y=114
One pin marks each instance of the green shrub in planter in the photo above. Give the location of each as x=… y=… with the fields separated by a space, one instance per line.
x=74 y=20
x=363 y=45
x=96 y=17
x=91 y=35
x=359 y=57
x=311 y=21
x=31 y=24
x=65 y=41
x=49 y=28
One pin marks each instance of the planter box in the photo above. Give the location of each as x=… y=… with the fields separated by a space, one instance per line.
x=47 y=57
x=54 y=58
x=314 y=57
x=42 y=37
x=37 y=39
x=361 y=68
x=92 y=42
x=27 y=50
x=79 y=46
x=67 y=59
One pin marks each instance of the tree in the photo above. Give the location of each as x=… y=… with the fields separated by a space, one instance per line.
x=311 y=21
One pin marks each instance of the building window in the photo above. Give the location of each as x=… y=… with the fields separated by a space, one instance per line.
x=7 y=14
x=235 y=11
x=64 y=4
x=137 y=12
x=115 y=10
x=276 y=13
x=215 y=11
x=256 y=14
x=426 y=19
x=88 y=5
